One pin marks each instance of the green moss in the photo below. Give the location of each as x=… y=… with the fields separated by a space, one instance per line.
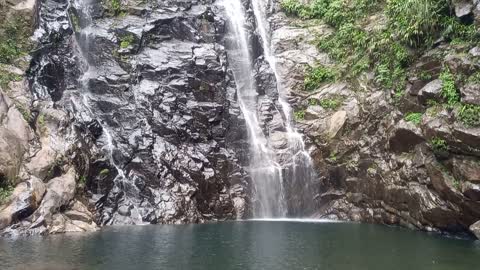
x=330 y=103
x=24 y=111
x=126 y=41
x=315 y=76
x=14 y=39
x=115 y=7
x=299 y=115
x=5 y=192
x=6 y=77
x=438 y=145
x=449 y=91
x=469 y=115
x=104 y=172
x=415 y=118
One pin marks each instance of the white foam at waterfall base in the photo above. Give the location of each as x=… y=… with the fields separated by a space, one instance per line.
x=297 y=220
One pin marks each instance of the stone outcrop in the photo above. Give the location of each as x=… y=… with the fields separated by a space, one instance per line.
x=379 y=167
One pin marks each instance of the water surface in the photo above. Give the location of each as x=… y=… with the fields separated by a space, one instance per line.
x=243 y=245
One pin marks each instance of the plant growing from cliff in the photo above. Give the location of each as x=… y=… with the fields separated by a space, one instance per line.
x=14 y=39
x=299 y=115
x=41 y=125
x=5 y=192
x=104 y=172
x=6 y=77
x=115 y=7
x=416 y=20
x=415 y=118
x=449 y=91
x=438 y=145
x=315 y=76
x=469 y=115
x=330 y=103
x=126 y=41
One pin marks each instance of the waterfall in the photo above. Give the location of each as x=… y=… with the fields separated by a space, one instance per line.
x=265 y=172
x=285 y=187
x=83 y=43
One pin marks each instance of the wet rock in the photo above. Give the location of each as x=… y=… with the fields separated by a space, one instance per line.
x=471 y=94
x=431 y=91
x=471 y=191
x=467 y=169
x=405 y=137
x=60 y=191
x=24 y=200
x=475 y=229
x=14 y=138
x=463 y=8
x=336 y=122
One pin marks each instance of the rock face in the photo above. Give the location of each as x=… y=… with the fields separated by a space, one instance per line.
x=374 y=165
x=136 y=122
x=134 y=119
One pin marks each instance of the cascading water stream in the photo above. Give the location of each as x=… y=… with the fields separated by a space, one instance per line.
x=300 y=168
x=84 y=95
x=265 y=172
x=282 y=187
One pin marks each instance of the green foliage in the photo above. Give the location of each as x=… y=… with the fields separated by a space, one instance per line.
x=449 y=91
x=126 y=41
x=104 y=172
x=5 y=192
x=456 y=183
x=469 y=115
x=24 y=111
x=439 y=145
x=330 y=103
x=315 y=76
x=425 y=76
x=475 y=78
x=14 y=39
x=82 y=180
x=313 y=102
x=115 y=7
x=292 y=7
x=6 y=77
x=333 y=156
x=415 y=118
x=299 y=115
x=434 y=108
x=459 y=32
x=416 y=20
x=41 y=124
x=385 y=50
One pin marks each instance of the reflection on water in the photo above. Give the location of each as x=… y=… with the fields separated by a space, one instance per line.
x=242 y=245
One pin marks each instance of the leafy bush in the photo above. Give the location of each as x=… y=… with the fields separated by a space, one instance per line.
x=469 y=115
x=126 y=41
x=300 y=115
x=449 y=91
x=6 y=77
x=416 y=20
x=316 y=76
x=330 y=103
x=5 y=192
x=14 y=40
x=439 y=145
x=415 y=118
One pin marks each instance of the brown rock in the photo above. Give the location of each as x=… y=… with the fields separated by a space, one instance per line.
x=466 y=169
